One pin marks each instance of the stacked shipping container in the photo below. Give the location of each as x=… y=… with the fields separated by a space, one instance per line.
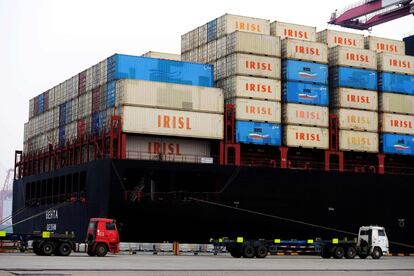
x=353 y=90
x=160 y=98
x=305 y=91
x=396 y=85
x=247 y=63
x=153 y=96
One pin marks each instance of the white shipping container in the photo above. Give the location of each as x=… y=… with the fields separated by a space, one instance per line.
x=354 y=57
x=396 y=103
x=71 y=131
x=306 y=137
x=89 y=79
x=161 y=55
x=354 y=98
x=304 y=50
x=169 y=95
x=252 y=65
x=143 y=120
x=26 y=133
x=203 y=54
x=194 y=41
x=337 y=38
x=396 y=123
x=104 y=72
x=55 y=117
x=193 y=55
x=85 y=104
x=358 y=141
x=289 y=30
x=31 y=108
x=220 y=69
x=229 y=23
x=242 y=42
x=185 y=42
x=166 y=148
x=221 y=47
x=202 y=34
x=380 y=44
x=360 y=120
x=185 y=56
x=396 y=63
x=258 y=111
x=212 y=51
x=302 y=114
x=52 y=102
x=251 y=87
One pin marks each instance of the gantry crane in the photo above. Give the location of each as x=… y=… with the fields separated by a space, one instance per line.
x=368 y=13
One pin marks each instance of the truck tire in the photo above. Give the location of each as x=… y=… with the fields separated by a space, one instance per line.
x=36 y=248
x=64 y=249
x=235 y=254
x=338 y=252
x=248 y=251
x=350 y=252
x=376 y=253
x=261 y=252
x=46 y=248
x=101 y=250
x=325 y=253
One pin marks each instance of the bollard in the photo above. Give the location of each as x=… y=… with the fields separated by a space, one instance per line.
x=176 y=248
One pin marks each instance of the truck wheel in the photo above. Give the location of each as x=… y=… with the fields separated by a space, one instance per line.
x=350 y=252
x=235 y=254
x=101 y=250
x=64 y=249
x=261 y=252
x=376 y=253
x=36 y=248
x=325 y=253
x=248 y=251
x=338 y=252
x=46 y=248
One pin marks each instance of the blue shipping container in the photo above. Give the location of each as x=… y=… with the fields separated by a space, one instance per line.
x=61 y=135
x=398 y=144
x=96 y=124
x=110 y=94
x=305 y=93
x=295 y=70
x=212 y=30
x=258 y=133
x=40 y=104
x=160 y=70
x=353 y=78
x=62 y=114
x=397 y=83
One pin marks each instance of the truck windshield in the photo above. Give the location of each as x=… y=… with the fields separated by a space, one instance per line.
x=381 y=233
x=110 y=226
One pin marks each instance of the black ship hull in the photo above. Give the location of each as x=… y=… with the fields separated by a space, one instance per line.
x=160 y=201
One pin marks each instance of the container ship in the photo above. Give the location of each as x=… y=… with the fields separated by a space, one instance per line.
x=258 y=129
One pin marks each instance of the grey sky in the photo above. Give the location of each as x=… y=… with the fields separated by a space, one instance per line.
x=44 y=42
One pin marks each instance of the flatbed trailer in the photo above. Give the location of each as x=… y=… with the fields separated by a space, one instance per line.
x=371 y=241
x=44 y=243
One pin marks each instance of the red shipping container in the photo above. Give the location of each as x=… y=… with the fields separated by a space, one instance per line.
x=96 y=99
x=81 y=128
x=82 y=83
x=46 y=101
x=36 y=106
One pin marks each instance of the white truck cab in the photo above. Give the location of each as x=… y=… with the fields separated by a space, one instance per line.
x=375 y=238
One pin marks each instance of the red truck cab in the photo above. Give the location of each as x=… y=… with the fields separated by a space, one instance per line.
x=102 y=236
